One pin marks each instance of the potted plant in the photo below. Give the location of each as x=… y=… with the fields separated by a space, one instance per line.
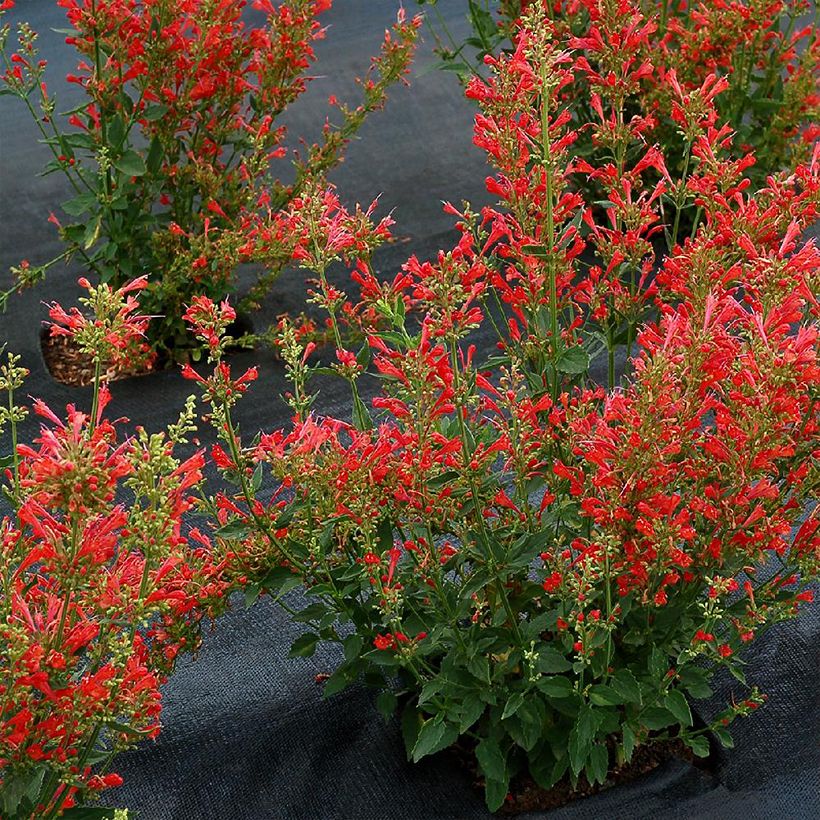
x=543 y=568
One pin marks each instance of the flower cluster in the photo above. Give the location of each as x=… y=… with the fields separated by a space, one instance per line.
x=548 y=567
x=102 y=583
x=173 y=154
x=642 y=51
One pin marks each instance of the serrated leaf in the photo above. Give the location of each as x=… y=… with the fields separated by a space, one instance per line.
x=495 y=793
x=676 y=703
x=699 y=745
x=153 y=162
x=726 y=740
x=471 y=710
x=627 y=686
x=628 y=742
x=386 y=703
x=131 y=164
x=597 y=766
x=430 y=735
x=694 y=680
x=579 y=748
x=79 y=204
x=154 y=112
x=492 y=760
x=527 y=725
x=304 y=646
x=233 y=529
x=557 y=687
x=581 y=737
x=513 y=705
x=656 y=717
x=551 y=661
x=479 y=666
x=539 y=251
x=352 y=647
x=312 y=612
x=410 y=726
x=91 y=233
x=252 y=593
x=603 y=695
x=573 y=360
x=336 y=683
x=256 y=478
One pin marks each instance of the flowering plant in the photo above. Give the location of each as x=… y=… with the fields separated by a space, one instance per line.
x=547 y=569
x=770 y=63
x=101 y=583
x=172 y=155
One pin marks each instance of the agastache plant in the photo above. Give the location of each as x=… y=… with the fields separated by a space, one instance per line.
x=175 y=155
x=766 y=51
x=103 y=583
x=543 y=569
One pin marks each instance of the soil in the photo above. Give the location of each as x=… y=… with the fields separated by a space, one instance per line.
x=527 y=796
x=67 y=364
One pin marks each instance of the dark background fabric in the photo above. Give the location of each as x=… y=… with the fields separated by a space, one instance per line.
x=247 y=734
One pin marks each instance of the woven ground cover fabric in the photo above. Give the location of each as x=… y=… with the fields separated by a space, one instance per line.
x=247 y=734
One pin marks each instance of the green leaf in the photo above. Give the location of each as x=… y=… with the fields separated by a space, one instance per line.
x=655 y=717
x=430 y=736
x=658 y=663
x=91 y=233
x=538 y=251
x=513 y=705
x=598 y=764
x=154 y=112
x=581 y=737
x=80 y=204
x=19 y=791
x=304 y=646
x=337 y=682
x=252 y=592
x=153 y=162
x=725 y=738
x=116 y=131
x=628 y=742
x=555 y=687
x=699 y=745
x=676 y=703
x=256 y=479
x=551 y=661
x=471 y=710
x=495 y=793
x=386 y=703
x=479 y=666
x=233 y=529
x=527 y=725
x=312 y=612
x=626 y=685
x=280 y=580
x=573 y=360
x=361 y=415
x=492 y=760
x=131 y=164
x=411 y=723
x=695 y=681
x=603 y=695
x=353 y=646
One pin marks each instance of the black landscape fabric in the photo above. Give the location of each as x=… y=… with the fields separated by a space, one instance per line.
x=247 y=734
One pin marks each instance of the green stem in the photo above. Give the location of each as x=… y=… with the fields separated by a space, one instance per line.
x=95 y=402
x=680 y=197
